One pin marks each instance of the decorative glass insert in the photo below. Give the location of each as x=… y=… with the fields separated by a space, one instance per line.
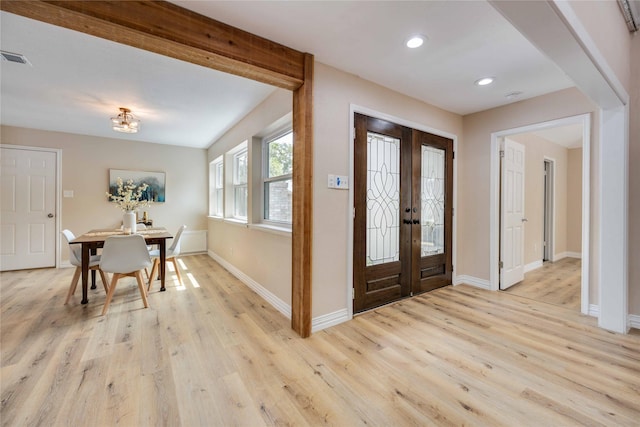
x=432 y=200
x=383 y=199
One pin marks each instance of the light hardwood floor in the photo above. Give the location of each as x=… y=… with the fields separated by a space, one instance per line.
x=215 y=354
x=555 y=283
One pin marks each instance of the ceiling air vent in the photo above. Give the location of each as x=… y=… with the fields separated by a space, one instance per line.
x=14 y=57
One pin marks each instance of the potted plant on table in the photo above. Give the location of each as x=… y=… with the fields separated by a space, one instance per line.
x=129 y=197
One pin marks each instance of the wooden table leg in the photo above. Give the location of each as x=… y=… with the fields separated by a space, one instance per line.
x=85 y=273
x=93 y=272
x=163 y=259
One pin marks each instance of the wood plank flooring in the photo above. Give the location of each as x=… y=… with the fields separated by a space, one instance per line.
x=213 y=353
x=555 y=283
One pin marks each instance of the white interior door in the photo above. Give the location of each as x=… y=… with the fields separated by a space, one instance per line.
x=512 y=218
x=28 y=207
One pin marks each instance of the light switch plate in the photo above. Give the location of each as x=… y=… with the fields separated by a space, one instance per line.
x=339 y=182
x=68 y=193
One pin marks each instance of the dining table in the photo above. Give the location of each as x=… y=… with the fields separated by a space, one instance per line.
x=92 y=240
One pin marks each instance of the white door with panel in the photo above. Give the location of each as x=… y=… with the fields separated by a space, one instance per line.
x=512 y=218
x=28 y=207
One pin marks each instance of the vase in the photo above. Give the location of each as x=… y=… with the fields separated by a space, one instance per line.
x=129 y=222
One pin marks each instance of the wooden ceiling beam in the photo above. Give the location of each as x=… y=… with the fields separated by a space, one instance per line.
x=170 y=30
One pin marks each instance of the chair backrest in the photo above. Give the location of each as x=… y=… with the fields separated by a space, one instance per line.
x=124 y=254
x=75 y=252
x=175 y=246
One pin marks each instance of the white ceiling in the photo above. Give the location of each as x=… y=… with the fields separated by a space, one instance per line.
x=77 y=81
x=569 y=136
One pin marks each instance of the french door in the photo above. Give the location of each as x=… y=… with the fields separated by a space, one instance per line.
x=403 y=185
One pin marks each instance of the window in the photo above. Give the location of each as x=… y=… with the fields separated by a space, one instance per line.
x=216 y=187
x=240 y=192
x=278 y=177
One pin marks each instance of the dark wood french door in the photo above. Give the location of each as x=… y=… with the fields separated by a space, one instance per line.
x=403 y=185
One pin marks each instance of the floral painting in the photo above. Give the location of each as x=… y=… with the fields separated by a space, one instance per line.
x=155 y=181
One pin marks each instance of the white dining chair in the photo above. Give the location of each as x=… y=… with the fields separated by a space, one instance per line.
x=75 y=258
x=125 y=256
x=172 y=253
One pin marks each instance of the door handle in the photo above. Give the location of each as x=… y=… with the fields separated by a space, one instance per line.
x=50 y=215
x=524 y=220
x=416 y=221
x=406 y=221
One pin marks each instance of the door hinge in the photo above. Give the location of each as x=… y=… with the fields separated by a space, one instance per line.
x=354 y=133
x=353 y=293
x=452 y=267
x=354 y=212
x=501 y=153
x=501 y=264
x=454 y=154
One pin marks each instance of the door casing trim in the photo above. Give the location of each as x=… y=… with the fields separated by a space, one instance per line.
x=354 y=108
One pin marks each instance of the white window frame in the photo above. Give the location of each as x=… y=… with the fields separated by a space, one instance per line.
x=216 y=187
x=266 y=180
x=241 y=150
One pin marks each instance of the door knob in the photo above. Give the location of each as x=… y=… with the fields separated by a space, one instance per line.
x=524 y=220
x=50 y=215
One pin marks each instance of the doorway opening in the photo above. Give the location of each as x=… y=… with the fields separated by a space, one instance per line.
x=555 y=236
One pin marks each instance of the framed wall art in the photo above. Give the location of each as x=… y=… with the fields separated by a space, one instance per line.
x=155 y=191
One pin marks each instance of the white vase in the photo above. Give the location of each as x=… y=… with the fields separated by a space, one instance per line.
x=129 y=222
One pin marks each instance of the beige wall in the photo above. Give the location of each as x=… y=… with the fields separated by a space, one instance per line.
x=86 y=161
x=634 y=181
x=574 y=200
x=334 y=91
x=474 y=173
x=538 y=149
x=263 y=256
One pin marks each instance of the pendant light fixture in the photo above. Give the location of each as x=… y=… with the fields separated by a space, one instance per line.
x=125 y=122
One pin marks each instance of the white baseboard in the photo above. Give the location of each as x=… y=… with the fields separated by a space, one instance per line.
x=473 y=281
x=634 y=321
x=193 y=241
x=532 y=266
x=276 y=302
x=330 y=319
x=594 y=310
x=561 y=255
x=317 y=323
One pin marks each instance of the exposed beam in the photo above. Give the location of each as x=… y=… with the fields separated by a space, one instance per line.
x=170 y=30
x=302 y=202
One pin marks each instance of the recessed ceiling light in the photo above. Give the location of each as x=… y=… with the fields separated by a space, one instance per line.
x=415 y=41
x=484 y=81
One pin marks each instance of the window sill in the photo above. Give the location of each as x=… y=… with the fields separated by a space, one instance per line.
x=273 y=229
x=216 y=218
x=234 y=221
